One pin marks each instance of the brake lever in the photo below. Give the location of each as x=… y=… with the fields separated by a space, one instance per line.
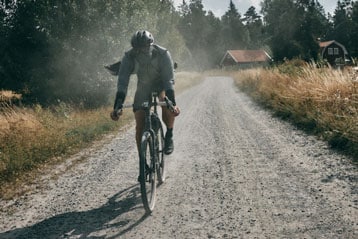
x=169 y=103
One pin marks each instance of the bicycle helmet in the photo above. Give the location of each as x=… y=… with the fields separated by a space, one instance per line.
x=142 y=39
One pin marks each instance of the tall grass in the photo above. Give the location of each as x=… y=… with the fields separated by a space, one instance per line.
x=322 y=101
x=40 y=135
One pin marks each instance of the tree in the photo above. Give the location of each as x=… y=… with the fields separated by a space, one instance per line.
x=234 y=34
x=55 y=50
x=215 y=48
x=313 y=25
x=184 y=9
x=280 y=18
x=293 y=27
x=167 y=34
x=25 y=46
x=254 y=25
x=3 y=44
x=193 y=18
x=354 y=33
x=344 y=26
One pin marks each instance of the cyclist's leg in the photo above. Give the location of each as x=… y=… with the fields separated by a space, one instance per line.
x=141 y=95
x=140 y=121
x=167 y=116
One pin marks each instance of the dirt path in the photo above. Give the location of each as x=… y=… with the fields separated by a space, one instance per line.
x=236 y=173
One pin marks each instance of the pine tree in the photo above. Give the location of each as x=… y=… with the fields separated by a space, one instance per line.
x=254 y=25
x=234 y=33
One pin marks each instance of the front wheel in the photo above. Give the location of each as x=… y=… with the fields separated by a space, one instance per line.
x=147 y=174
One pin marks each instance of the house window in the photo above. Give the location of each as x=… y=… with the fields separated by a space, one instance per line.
x=336 y=51
x=330 y=51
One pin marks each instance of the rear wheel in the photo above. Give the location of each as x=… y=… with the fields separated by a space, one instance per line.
x=147 y=174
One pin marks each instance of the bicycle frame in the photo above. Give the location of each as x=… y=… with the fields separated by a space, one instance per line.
x=151 y=163
x=146 y=107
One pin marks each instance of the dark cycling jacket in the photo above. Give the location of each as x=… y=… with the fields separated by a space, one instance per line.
x=154 y=73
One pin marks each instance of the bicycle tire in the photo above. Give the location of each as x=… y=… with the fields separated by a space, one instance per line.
x=161 y=170
x=147 y=172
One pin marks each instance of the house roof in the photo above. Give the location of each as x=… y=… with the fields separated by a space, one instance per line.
x=325 y=43
x=247 y=56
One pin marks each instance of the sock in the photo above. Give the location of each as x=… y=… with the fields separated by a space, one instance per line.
x=169 y=133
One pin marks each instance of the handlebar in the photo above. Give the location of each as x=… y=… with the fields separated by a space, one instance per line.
x=168 y=103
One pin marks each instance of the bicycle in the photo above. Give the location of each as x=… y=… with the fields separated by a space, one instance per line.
x=151 y=153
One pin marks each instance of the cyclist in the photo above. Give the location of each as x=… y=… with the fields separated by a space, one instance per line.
x=154 y=68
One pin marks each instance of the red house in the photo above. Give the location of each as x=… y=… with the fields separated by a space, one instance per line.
x=245 y=58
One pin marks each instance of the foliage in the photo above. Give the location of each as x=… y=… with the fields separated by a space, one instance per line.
x=234 y=29
x=193 y=18
x=344 y=28
x=255 y=28
x=294 y=27
x=55 y=50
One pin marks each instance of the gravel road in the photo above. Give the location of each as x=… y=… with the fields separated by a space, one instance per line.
x=236 y=172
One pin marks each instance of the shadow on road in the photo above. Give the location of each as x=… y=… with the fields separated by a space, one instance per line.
x=108 y=221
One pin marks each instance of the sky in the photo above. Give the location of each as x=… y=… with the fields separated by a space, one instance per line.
x=219 y=7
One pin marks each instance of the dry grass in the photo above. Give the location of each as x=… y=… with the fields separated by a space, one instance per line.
x=8 y=95
x=31 y=137
x=320 y=100
x=39 y=138
x=185 y=80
